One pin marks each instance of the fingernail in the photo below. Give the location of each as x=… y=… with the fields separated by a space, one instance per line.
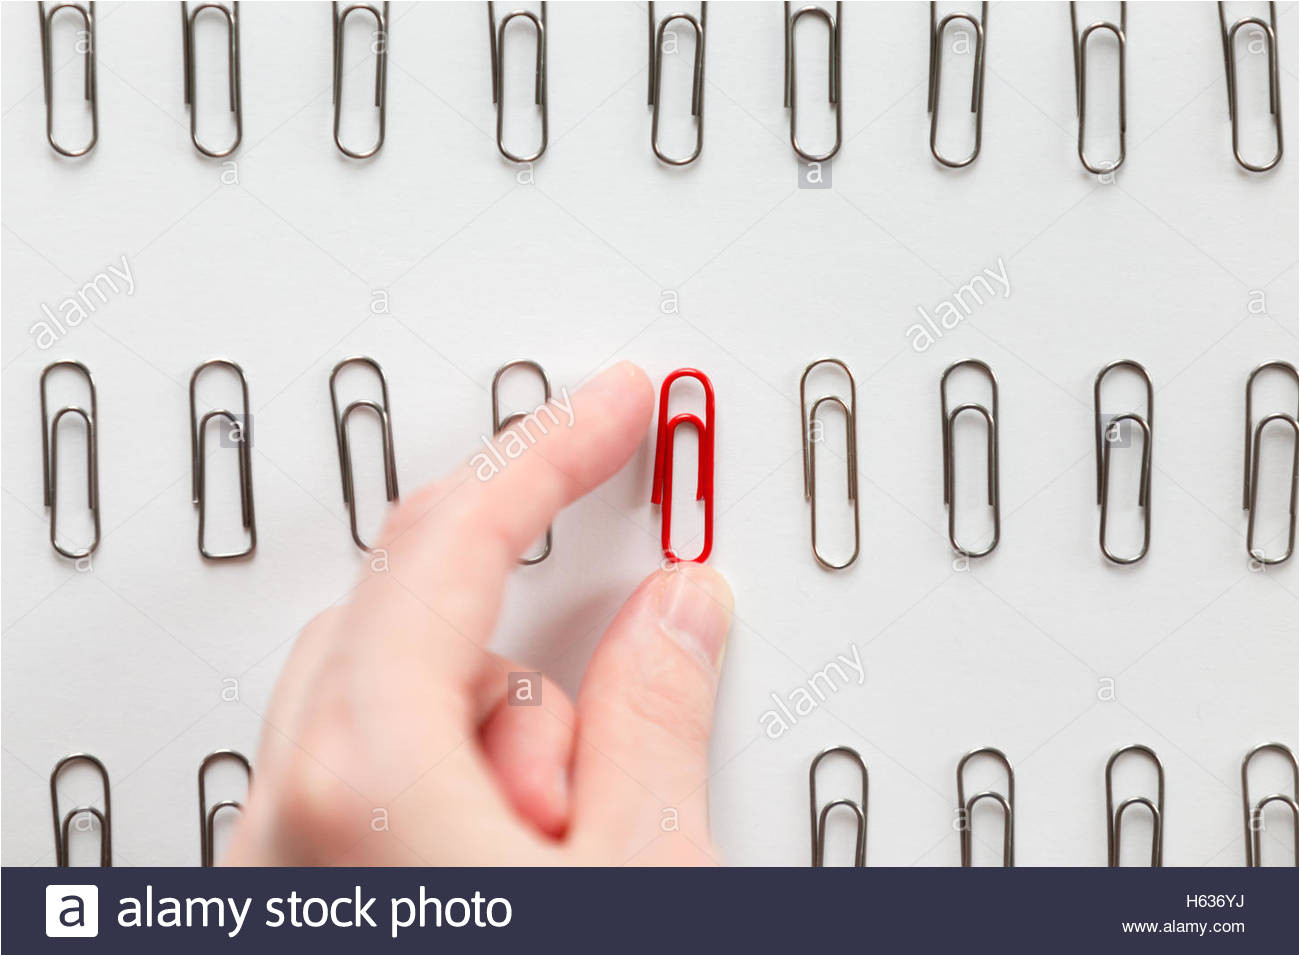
x=695 y=611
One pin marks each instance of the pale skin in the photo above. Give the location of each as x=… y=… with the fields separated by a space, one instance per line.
x=388 y=740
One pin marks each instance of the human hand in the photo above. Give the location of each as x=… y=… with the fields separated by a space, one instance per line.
x=388 y=740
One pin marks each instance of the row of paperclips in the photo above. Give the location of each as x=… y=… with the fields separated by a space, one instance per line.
x=239 y=431
x=1004 y=801
x=1253 y=811
x=657 y=27
x=86 y=816
x=1107 y=432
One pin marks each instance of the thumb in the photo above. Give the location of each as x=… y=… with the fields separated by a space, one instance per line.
x=645 y=715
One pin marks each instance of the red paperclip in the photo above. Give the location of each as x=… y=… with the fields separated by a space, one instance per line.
x=662 y=491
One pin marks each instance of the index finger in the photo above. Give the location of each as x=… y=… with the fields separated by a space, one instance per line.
x=451 y=547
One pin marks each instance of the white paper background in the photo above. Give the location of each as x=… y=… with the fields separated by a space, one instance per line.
x=278 y=273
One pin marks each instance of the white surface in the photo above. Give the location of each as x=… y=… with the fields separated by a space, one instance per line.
x=278 y=273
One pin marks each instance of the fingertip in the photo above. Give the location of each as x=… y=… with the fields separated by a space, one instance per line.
x=710 y=580
x=624 y=388
x=629 y=371
x=695 y=610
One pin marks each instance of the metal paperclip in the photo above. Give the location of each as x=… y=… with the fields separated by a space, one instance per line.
x=1253 y=812
x=809 y=417
x=817 y=817
x=188 y=18
x=1229 y=36
x=498 y=424
x=1105 y=436
x=834 y=25
x=656 y=77
x=381 y=411
x=380 y=49
x=1250 y=464
x=241 y=427
x=87 y=13
x=662 y=489
x=1080 y=47
x=63 y=823
x=1258 y=823
x=1115 y=815
x=50 y=456
x=497 y=36
x=208 y=815
x=949 y=419
x=966 y=808
x=937 y=31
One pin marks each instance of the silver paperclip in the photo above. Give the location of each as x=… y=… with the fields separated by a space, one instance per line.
x=381 y=411
x=380 y=49
x=499 y=424
x=497 y=36
x=937 y=31
x=63 y=823
x=818 y=815
x=1229 y=35
x=1250 y=463
x=948 y=422
x=1105 y=437
x=208 y=815
x=1115 y=814
x=87 y=13
x=834 y=28
x=656 y=77
x=50 y=456
x=188 y=16
x=1080 y=47
x=1253 y=811
x=241 y=431
x=810 y=440
x=1257 y=822
x=966 y=808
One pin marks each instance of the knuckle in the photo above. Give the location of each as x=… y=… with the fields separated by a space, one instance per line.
x=316 y=807
x=476 y=522
x=676 y=697
x=411 y=511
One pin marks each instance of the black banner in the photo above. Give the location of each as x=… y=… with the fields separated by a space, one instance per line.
x=1028 y=910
